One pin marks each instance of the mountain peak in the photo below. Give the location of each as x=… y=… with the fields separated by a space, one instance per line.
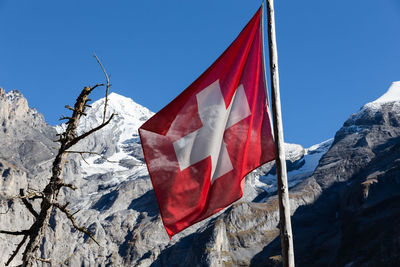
x=123 y=106
x=129 y=116
x=376 y=112
x=118 y=98
x=392 y=94
x=12 y=96
x=14 y=106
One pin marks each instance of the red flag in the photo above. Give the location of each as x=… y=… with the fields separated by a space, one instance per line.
x=199 y=148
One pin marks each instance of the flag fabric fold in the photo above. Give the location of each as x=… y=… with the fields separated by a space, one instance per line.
x=199 y=148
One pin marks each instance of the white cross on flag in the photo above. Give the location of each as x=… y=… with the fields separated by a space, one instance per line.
x=199 y=148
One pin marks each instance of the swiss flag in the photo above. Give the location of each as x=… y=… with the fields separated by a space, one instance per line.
x=199 y=148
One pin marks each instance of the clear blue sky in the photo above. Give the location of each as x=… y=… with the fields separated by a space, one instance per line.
x=334 y=56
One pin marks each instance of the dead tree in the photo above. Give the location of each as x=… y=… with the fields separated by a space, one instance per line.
x=49 y=196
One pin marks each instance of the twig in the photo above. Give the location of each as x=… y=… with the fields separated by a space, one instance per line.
x=83 y=158
x=34 y=236
x=72 y=219
x=97 y=85
x=23 y=232
x=84 y=135
x=16 y=250
x=69 y=107
x=107 y=87
x=43 y=260
x=64 y=118
x=73 y=214
x=27 y=204
x=32 y=195
x=73 y=187
x=90 y=153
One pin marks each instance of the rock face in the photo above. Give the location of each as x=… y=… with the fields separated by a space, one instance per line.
x=345 y=213
x=25 y=160
x=352 y=216
x=23 y=130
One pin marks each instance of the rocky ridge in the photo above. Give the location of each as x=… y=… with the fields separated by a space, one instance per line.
x=358 y=175
x=345 y=214
x=351 y=215
x=115 y=191
x=115 y=195
x=25 y=160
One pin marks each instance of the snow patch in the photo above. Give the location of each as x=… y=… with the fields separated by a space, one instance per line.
x=129 y=115
x=311 y=158
x=393 y=94
x=13 y=95
x=60 y=128
x=293 y=151
x=127 y=162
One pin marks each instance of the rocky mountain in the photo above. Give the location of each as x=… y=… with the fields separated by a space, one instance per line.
x=344 y=195
x=121 y=187
x=25 y=160
x=349 y=208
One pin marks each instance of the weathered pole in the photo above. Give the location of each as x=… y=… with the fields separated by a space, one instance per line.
x=280 y=161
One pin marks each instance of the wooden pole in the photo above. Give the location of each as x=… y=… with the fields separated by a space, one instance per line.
x=280 y=161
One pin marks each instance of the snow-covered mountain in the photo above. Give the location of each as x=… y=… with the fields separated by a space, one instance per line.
x=120 y=157
x=390 y=98
x=112 y=189
x=120 y=144
x=301 y=163
x=350 y=214
x=391 y=95
x=333 y=184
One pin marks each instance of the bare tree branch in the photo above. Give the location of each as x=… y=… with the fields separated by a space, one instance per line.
x=48 y=196
x=91 y=153
x=64 y=118
x=17 y=250
x=43 y=260
x=107 y=87
x=84 y=135
x=73 y=214
x=23 y=232
x=69 y=107
x=27 y=204
x=72 y=219
x=73 y=187
x=94 y=87
x=31 y=196
x=84 y=159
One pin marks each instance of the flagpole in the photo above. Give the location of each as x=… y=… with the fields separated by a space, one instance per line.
x=280 y=161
